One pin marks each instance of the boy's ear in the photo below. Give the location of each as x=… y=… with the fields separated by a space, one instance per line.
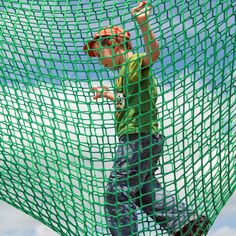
x=111 y=42
x=116 y=48
x=114 y=43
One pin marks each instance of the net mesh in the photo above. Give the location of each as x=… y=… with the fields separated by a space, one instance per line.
x=59 y=145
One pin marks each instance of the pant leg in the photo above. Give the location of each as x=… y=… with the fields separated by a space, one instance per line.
x=162 y=206
x=126 y=179
x=159 y=204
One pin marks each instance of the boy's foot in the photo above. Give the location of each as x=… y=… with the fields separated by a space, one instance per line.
x=195 y=227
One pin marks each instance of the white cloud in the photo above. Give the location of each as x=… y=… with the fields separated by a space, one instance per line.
x=43 y=230
x=97 y=132
x=7 y=220
x=230 y=208
x=224 y=231
x=71 y=100
x=17 y=223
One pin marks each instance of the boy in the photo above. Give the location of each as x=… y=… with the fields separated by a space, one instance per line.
x=132 y=181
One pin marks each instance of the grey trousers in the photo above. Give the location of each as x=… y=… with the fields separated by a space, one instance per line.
x=132 y=183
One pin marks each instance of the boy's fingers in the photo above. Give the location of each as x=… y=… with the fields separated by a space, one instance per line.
x=100 y=87
x=97 y=96
x=140 y=6
x=134 y=10
x=94 y=88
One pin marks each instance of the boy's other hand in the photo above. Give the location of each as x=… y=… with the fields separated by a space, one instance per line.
x=141 y=12
x=101 y=91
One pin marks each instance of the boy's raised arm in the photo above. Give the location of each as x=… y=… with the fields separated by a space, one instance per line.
x=141 y=15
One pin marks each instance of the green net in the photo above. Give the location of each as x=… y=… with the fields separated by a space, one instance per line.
x=71 y=162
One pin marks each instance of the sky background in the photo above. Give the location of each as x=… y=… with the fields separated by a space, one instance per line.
x=15 y=223
x=27 y=50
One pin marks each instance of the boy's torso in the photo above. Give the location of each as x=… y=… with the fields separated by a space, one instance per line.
x=136 y=96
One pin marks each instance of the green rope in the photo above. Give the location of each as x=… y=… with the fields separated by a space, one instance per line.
x=67 y=160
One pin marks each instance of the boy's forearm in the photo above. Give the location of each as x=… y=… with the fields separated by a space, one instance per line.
x=150 y=41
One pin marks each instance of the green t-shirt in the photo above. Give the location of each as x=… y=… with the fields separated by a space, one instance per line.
x=136 y=96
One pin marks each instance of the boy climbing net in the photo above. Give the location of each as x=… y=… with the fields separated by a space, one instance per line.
x=132 y=182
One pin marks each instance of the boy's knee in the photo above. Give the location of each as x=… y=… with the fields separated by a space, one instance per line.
x=115 y=194
x=110 y=193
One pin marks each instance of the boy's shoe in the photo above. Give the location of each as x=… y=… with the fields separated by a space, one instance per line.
x=195 y=227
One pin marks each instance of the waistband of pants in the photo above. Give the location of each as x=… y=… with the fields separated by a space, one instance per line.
x=134 y=136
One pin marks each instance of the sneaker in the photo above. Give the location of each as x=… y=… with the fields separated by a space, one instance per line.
x=195 y=228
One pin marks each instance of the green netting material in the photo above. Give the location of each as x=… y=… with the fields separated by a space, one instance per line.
x=58 y=144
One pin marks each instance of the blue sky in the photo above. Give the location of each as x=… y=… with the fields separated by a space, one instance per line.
x=213 y=37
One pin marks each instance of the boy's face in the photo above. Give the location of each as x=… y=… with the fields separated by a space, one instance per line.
x=107 y=56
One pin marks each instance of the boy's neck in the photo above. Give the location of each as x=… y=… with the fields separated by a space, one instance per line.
x=129 y=54
x=124 y=58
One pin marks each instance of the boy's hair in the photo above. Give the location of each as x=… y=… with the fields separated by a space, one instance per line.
x=109 y=36
x=117 y=40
